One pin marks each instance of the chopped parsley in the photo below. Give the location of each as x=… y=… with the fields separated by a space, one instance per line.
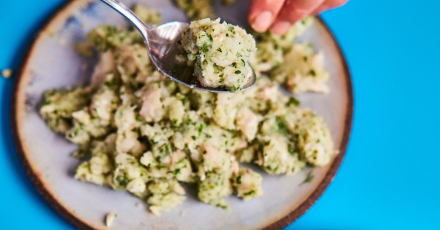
x=200 y=129
x=205 y=48
x=308 y=179
x=293 y=101
x=238 y=180
x=181 y=160
x=249 y=193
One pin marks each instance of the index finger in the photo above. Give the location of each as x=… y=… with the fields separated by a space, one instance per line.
x=293 y=11
x=262 y=13
x=329 y=4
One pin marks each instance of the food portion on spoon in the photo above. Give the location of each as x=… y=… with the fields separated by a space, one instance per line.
x=219 y=52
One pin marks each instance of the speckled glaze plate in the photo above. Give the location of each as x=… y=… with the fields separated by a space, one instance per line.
x=52 y=62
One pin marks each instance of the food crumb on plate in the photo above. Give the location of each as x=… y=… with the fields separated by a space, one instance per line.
x=182 y=213
x=110 y=218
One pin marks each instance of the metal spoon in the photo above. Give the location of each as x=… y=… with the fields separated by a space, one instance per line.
x=162 y=46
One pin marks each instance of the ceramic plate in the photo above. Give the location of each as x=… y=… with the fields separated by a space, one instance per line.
x=51 y=62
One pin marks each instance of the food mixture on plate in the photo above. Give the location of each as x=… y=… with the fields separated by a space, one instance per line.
x=141 y=132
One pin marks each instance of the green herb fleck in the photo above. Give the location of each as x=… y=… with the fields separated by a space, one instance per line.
x=217 y=67
x=293 y=101
x=238 y=180
x=308 y=179
x=200 y=129
x=205 y=48
x=177 y=171
x=181 y=160
x=249 y=193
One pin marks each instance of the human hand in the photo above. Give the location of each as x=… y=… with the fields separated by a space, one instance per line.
x=279 y=15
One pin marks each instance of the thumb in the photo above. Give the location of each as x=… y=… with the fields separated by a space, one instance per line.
x=293 y=11
x=262 y=13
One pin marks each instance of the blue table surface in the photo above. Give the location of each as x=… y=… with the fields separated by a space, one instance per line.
x=389 y=178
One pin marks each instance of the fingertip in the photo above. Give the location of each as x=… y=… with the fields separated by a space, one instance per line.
x=262 y=13
x=327 y=5
x=316 y=12
x=262 y=21
x=292 y=12
x=280 y=27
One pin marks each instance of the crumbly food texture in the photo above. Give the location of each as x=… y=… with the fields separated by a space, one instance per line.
x=220 y=52
x=145 y=134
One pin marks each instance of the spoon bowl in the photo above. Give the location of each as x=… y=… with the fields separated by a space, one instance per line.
x=162 y=46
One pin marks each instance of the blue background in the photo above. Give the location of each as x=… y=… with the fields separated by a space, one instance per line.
x=390 y=177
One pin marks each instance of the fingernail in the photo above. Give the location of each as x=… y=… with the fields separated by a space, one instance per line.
x=262 y=21
x=280 y=27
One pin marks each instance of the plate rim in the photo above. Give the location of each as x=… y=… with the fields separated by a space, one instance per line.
x=79 y=223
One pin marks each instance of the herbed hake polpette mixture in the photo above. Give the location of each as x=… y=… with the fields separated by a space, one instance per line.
x=141 y=132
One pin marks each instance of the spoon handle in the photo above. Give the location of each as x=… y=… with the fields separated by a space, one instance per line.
x=124 y=11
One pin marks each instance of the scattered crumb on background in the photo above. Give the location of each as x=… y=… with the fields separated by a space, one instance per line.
x=110 y=218
x=7 y=73
x=182 y=213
